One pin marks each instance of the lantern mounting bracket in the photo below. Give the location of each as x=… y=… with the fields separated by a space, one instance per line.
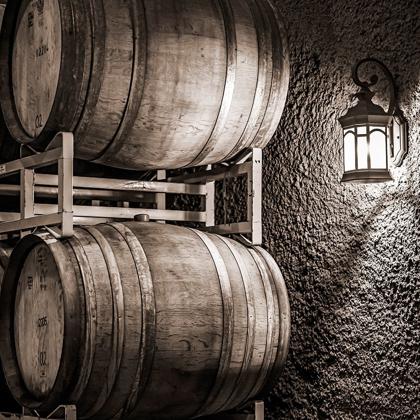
x=398 y=128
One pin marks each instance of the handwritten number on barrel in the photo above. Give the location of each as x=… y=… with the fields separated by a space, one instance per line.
x=42 y=322
x=43 y=283
x=38 y=121
x=43 y=358
x=42 y=50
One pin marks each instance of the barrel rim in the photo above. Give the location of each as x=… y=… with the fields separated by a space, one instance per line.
x=281 y=76
x=7 y=344
x=285 y=321
x=98 y=26
x=69 y=84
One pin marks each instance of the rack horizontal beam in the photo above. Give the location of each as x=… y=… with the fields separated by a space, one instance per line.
x=30 y=162
x=214 y=174
x=231 y=228
x=125 y=213
x=82 y=194
x=125 y=185
x=30 y=223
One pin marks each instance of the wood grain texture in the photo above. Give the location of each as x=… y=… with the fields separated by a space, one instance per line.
x=228 y=324
x=272 y=324
x=36 y=62
x=98 y=345
x=285 y=323
x=9 y=148
x=74 y=63
x=123 y=275
x=250 y=345
x=240 y=326
x=148 y=316
x=110 y=76
x=230 y=82
x=67 y=280
x=159 y=84
x=172 y=322
x=280 y=80
x=189 y=324
x=263 y=84
x=39 y=322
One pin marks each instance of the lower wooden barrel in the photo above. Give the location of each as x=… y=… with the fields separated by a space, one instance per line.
x=141 y=320
x=7 y=402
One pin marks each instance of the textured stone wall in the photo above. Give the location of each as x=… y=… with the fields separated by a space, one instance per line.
x=349 y=253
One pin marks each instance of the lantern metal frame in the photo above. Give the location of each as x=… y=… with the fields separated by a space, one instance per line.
x=369 y=115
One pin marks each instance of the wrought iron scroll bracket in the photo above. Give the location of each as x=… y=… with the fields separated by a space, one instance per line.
x=398 y=129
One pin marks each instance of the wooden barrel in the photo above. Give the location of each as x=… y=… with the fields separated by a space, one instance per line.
x=142 y=320
x=145 y=84
x=7 y=402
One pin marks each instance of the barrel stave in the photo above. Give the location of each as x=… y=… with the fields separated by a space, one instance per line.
x=109 y=77
x=244 y=93
x=188 y=321
x=122 y=272
x=96 y=353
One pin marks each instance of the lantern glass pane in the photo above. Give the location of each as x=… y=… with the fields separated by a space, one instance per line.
x=378 y=149
x=361 y=130
x=362 y=153
x=349 y=152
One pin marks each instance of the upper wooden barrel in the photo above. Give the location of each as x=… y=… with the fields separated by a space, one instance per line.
x=141 y=319
x=145 y=84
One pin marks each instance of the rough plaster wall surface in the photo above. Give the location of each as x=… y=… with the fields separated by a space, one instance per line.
x=349 y=253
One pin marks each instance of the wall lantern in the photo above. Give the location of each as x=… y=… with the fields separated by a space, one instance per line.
x=372 y=137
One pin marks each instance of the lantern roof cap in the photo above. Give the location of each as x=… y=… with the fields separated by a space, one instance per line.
x=365 y=111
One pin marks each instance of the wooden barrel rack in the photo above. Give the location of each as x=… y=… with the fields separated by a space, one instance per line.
x=65 y=187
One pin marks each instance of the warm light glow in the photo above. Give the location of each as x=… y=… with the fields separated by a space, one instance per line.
x=362 y=153
x=378 y=149
x=349 y=151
